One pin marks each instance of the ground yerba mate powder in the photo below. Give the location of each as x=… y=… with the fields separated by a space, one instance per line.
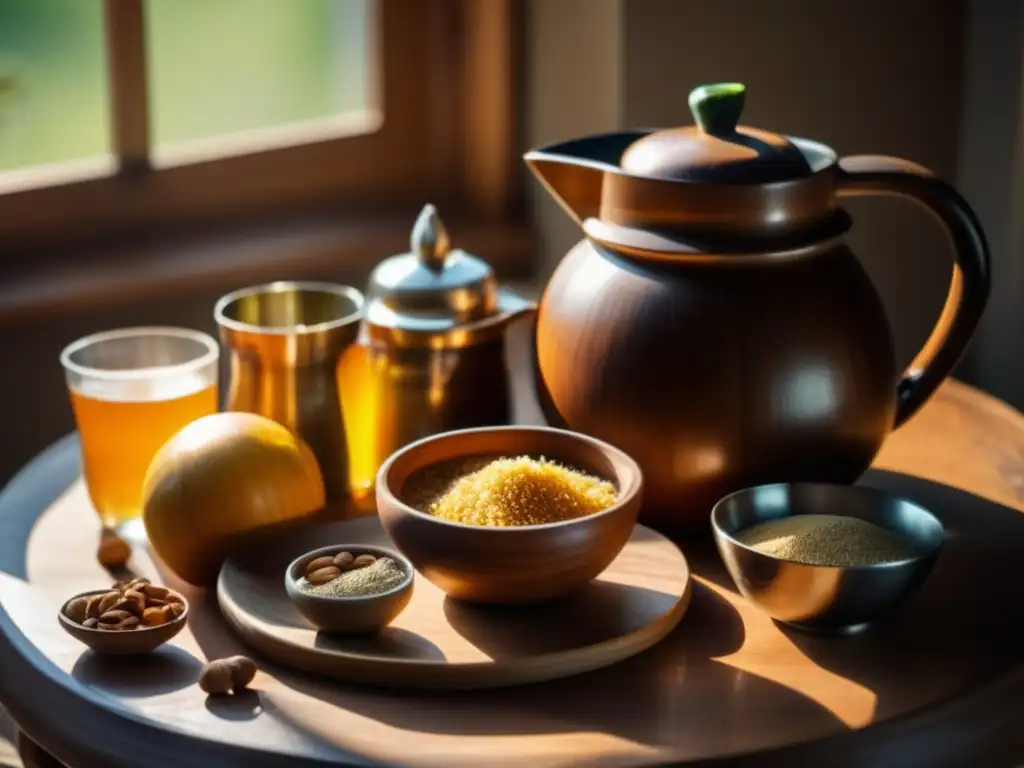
x=827 y=540
x=381 y=576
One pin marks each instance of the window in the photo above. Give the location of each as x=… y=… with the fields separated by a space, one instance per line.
x=124 y=117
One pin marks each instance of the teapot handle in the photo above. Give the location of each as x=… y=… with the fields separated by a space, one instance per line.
x=969 y=288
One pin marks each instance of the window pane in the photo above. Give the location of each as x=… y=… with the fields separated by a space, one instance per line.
x=222 y=66
x=53 y=88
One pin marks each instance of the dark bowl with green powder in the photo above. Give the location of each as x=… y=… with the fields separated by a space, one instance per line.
x=359 y=601
x=825 y=558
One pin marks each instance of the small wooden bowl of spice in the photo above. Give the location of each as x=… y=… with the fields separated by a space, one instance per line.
x=350 y=589
x=509 y=514
x=132 y=617
x=825 y=558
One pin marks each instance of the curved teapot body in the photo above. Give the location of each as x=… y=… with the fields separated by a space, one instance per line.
x=719 y=373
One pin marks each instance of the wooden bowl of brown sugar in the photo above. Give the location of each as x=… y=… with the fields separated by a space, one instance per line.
x=508 y=562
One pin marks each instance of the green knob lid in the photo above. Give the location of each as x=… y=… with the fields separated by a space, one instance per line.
x=716 y=150
x=716 y=107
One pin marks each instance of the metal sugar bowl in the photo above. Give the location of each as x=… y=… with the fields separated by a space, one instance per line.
x=431 y=351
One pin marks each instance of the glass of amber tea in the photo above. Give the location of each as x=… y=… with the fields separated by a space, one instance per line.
x=131 y=390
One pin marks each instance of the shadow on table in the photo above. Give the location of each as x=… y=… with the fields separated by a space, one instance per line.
x=704 y=560
x=390 y=642
x=244 y=705
x=673 y=679
x=599 y=611
x=964 y=625
x=167 y=669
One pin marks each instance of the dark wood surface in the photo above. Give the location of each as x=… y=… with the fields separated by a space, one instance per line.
x=940 y=685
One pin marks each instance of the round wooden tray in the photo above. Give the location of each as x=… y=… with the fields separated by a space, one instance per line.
x=442 y=643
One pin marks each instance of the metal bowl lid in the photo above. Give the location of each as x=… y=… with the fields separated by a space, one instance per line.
x=716 y=149
x=433 y=287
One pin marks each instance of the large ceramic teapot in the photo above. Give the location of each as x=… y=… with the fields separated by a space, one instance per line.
x=714 y=324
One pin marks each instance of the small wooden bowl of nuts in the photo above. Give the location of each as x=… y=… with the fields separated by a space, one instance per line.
x=132 y=617
x=350 y=589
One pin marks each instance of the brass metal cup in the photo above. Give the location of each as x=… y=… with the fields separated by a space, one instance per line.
x=285 y=340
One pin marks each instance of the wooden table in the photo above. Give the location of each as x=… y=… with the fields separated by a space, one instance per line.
x=942 y=684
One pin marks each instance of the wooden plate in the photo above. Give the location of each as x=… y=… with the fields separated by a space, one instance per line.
x=442 y=643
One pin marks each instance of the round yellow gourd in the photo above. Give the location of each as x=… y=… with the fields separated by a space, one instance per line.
x=221 y=477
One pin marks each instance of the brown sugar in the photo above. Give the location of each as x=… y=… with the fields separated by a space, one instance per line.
x=511 y=491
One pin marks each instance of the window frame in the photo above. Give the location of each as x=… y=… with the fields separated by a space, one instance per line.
x=448 y=82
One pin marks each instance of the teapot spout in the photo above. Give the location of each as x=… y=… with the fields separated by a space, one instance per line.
x=510 y=307
x=572 y=171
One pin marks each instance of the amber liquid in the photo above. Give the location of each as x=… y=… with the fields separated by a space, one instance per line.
x=120 y=437
x=365 y=427
x=390 y=398
x=386 y=404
